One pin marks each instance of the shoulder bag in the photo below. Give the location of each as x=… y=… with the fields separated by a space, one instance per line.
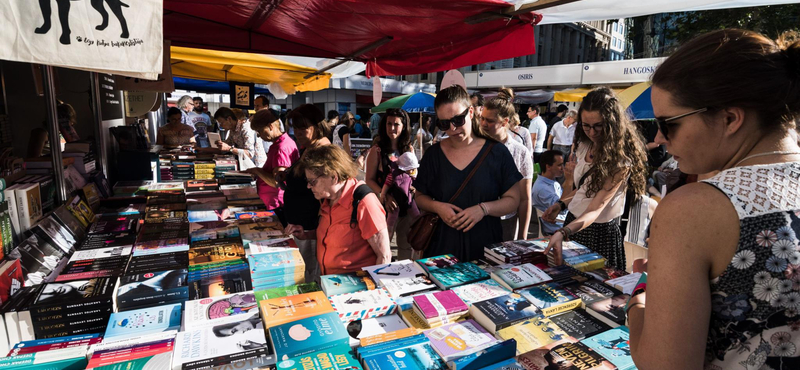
x=421 y=231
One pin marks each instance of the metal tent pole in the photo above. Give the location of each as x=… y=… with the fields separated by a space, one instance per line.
x=55 y=140
x=94 y=83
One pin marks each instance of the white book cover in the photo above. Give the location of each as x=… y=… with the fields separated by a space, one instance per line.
x=214 y=310
x=4 y=345
x=480 y=291
x=521 y=276
x=10 y=195
x=101 y=253
x=626 y=283
x=400 y=278
x=360 y=329
x=219 y=340
x=363 y=305
x=12 y=328
x=29 y=201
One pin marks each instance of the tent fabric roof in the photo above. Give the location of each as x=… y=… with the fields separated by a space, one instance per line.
x=415 y=36
x=214 y=65
x=576 y=95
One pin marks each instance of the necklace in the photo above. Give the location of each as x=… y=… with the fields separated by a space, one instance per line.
x=777 y=152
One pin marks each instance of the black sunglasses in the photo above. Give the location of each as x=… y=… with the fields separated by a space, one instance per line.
x=663 y=124
x=456 y=121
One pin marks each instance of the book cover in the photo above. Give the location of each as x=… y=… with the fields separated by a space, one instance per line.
x=521 y=276
x=542 y=359
x=219 y=340
x=360 y=329
x=218 y=285
x=591 y=291
x=625 y=283
x=143 y=321
x=115 y=224
x=151 y=362
x=614 y=345
x=41 y=345
x=388 y=337
x=73 y=358
x=258 y=358
x=263 y=227
x=346 y=283
x=459 y=339
x=606 y=273
x=610 y=311
x=579 y=324
x=363 y=305
x=152 y=288
x=578 y=356
x=416 y=357
x=38 y=259
x=271 y=245
x=286 y=291
x=480 y=291
x=108 y=240
x=439 y=304
x=218 y=251
x=499 y=356
x=434 y=263
x=206 y=309
x=54 y=232
x=551 y=298
x=458 y=274
x=73 y=294
x=277 y=311
x=532 y=334
x=501 y=312
x=29 y=203
x=339 y=357
x=277 y=281
x=401 y=278
x=11 y=279
x=280 y=262
x=68 y=220
x=131 y=355
x=304 y=336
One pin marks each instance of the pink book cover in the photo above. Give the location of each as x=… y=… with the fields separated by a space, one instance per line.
x=440 y=304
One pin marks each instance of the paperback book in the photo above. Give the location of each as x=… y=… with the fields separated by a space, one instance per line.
x=304 y=336
x=444 y=306
x=142 y=322
x=346 y=283
x=286 y=291
x=152 y=289
x=459 y=339
x=519 y=277
x=501 y=312
x=579 y=324
x=551 y=298
x=480 y=291
x=201 y=311
x=277 y=311
x=614 y=345
x=220 y=340
x=218 y=285
x=363 y=305
x=358 y=330
x=401 y=278
x=611 y=311
x=533 y=334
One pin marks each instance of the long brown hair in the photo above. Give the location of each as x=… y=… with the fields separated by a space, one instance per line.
x=622 y=147
x=736 y=68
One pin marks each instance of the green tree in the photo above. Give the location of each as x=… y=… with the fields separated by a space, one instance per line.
x=771 y=20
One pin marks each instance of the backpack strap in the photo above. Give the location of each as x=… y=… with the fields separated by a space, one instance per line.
x=361 y=191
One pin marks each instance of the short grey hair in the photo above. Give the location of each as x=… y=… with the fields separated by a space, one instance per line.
x=183 y=100
x=571 y=113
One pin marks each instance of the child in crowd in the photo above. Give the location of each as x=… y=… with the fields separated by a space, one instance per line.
x=398 y=184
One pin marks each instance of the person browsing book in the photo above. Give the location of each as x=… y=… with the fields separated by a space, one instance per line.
x=241 y=139
x=282 y=154
x=472 y=220
x=343 y=244
x=174 y=133
x=723 y=283
x=610 y=159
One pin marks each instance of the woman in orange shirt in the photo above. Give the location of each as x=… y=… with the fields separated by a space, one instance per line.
x=342 y=246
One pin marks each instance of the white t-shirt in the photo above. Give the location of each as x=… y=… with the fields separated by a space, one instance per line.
x=523 y=136
x=539 y=128
x=562 y=135
x=579 y=203
x=523 y=159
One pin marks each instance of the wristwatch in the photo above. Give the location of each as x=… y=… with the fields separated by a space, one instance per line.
x=561 y=204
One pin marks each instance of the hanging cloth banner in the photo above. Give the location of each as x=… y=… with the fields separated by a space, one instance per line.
x=122 y=37
x=242 y=94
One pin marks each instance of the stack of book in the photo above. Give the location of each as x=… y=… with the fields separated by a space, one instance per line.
x=532 y=334
x=165 y=167
x=219 y=309
x=223 y=165
x=470 y=337
x=217 y=267
x=363 y=305
x=272 y=269
x=259 y=231
x=212 y=230
x=520 y=277
x=440 y=308
x=415 y=352
x=182 y=170
x=70 y=308
x=579 y=256
x=201 y=185
x=447 y=272
x=204 y=170
x=516 y=252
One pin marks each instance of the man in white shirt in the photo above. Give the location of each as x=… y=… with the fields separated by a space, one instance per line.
x=563 y=133
x=538 y=131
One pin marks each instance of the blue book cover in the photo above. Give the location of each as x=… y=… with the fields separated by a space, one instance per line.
x=510 y=364
x=42 y=342
x=346 y=283
x=458 y=274
x=308 y=335
x=374 y=349
x=338 y=357
x=499 y=352
x=551 y=298
x=144 y=321
x=266 y=264
x=417 y=357
x=614 y=345
x=431 y=264
x=583 y=258
x=501 y=312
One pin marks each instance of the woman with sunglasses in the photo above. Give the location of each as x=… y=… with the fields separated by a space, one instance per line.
x=344 y=245
x=472 y=220
x=394 y=139
x=723 y=284
x=300 y=211
x=609 y=160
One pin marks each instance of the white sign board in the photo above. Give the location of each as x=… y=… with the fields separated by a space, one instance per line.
x=621 y=71
x=117 y=37
x=560 y=75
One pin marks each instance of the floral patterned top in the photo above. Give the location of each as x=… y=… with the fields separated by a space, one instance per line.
x=755 y=302
x=243 y=137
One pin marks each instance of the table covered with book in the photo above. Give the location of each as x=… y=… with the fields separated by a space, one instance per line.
x=195 y=274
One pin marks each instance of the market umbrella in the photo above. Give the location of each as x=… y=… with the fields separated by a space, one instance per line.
x=420 y=102
x=637 y=100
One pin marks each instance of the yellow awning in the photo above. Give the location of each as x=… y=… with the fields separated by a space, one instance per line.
x=575 y=95
x=629 y=95
x=214 y=65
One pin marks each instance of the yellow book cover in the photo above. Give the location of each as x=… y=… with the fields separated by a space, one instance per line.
x=204 y=165
x=533 y=334
x=390 y=336
x=205 y=171
x=282 y=310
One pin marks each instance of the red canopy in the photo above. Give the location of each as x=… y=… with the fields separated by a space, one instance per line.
x=392 y=37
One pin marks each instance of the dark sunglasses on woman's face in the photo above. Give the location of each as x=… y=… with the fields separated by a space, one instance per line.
x=456 y=121
x=664 y=123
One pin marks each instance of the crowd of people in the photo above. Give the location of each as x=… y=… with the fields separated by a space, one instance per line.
x=726 y=105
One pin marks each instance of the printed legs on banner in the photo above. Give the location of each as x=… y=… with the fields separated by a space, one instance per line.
x=63 y=16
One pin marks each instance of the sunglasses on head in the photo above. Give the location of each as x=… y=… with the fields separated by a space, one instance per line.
x=664 y=123
x=456 y=121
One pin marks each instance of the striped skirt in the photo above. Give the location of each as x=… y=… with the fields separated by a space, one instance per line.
x=605 y=239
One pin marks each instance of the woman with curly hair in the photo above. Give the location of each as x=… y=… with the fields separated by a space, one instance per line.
x=610 y=159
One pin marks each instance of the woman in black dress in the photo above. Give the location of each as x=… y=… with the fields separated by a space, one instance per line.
x=472 y=221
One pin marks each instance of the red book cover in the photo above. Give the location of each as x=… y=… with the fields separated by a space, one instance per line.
x=49 y=347
x=130 y=353
x=11 y=280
